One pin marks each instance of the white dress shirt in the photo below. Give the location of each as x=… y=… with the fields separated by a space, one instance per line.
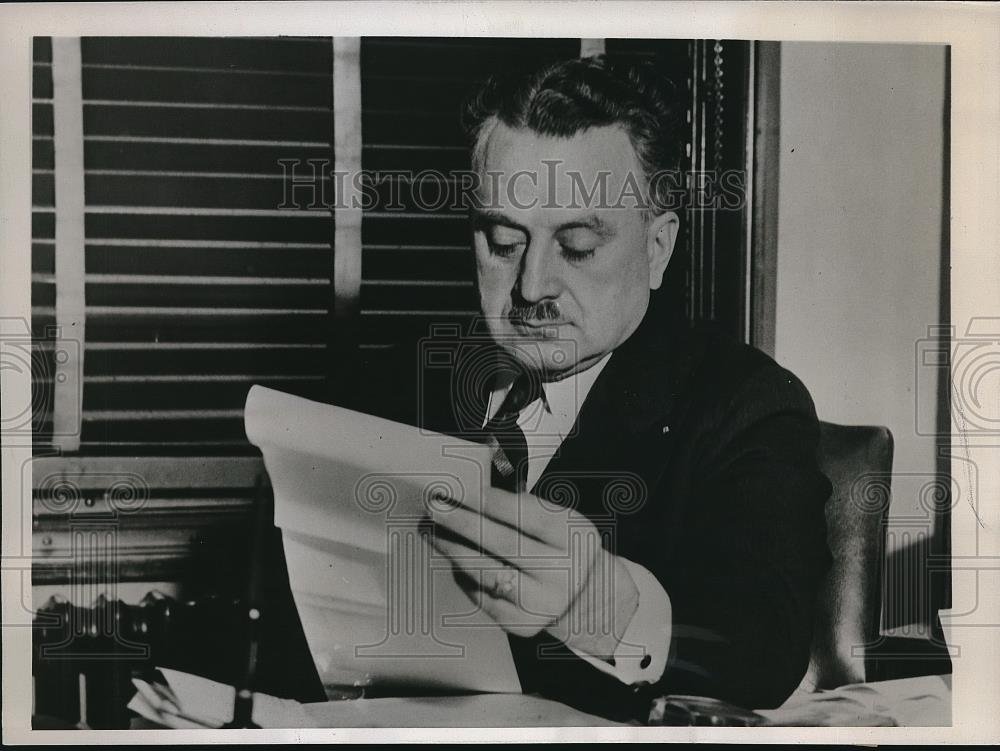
x=641 y=655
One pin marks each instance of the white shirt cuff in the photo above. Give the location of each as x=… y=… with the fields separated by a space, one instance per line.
x=641 y=655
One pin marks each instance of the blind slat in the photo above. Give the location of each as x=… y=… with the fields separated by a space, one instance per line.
x=309 y=227
x=165 y=192
x=191 y=299
x=193 y=258
x=165 y=400
x=110 y=325
x=259 y=158
x=220 y=359
x=309 y=55
x=255 y=122
x=202 y=87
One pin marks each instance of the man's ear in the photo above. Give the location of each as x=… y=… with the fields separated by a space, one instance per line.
x=662 y=234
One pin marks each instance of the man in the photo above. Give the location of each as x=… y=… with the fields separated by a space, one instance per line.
x=683 y=540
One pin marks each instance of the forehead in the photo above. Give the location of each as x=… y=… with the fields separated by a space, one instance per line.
x=520 y=168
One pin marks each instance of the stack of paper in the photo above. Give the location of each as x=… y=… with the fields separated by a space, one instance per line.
x=350 y=493
x=189 y=701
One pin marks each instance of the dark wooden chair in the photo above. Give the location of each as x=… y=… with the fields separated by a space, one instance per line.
x=858 y=462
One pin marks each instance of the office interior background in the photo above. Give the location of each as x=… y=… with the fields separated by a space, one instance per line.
x=195 y=279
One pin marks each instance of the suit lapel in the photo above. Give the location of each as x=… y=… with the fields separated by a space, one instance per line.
x=622 y=432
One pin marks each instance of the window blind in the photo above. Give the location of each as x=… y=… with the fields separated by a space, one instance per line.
x=197 y=283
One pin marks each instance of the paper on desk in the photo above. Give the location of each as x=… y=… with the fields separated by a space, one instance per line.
x=190 y=701
x=924 y=701
x=470 y=711
x=349 y=493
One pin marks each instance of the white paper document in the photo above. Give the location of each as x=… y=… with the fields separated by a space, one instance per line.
x=922 y=701
x=377 y=605
x=188 y=701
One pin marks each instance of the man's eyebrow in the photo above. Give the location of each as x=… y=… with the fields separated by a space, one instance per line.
x=484 y=217
x=592 y=222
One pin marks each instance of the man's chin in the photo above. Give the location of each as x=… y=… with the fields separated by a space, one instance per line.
x=544 y=355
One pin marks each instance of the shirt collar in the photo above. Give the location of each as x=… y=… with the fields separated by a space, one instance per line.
x=562 y=398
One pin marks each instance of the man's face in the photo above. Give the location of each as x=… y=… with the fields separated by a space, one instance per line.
x=563 y=279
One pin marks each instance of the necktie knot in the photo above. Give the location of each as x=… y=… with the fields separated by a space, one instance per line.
x=525 y=390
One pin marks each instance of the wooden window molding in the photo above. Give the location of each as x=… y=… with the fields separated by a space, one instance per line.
x=67 y=117
x=766 y=153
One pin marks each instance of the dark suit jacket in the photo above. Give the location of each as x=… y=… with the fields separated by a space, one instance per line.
x=699 y=458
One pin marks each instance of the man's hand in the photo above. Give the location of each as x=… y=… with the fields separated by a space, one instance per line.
x=533 y=566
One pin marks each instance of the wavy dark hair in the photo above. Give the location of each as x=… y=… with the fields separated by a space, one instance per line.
x=571 y=96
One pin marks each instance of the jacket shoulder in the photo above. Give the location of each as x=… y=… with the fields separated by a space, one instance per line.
x=732 y=380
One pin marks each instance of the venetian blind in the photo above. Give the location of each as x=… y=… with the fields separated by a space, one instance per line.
x=197 y=283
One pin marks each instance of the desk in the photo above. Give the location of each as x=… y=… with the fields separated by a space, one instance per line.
x=914 y=702
x=917 y=702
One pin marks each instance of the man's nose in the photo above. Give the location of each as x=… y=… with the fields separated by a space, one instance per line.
x=537 y=279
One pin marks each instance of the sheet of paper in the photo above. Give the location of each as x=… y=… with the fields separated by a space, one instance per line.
x=482 y=710
x=141 y=706
x=376 y=604
x=190 y=701
x=924 y=701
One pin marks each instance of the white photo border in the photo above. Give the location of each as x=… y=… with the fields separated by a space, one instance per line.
x=972 y=31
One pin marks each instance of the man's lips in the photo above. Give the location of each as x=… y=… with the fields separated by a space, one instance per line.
x=535 y=324
x=546 y=329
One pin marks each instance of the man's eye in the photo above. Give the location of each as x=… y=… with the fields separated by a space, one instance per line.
x=577 y=254
x=505 y=250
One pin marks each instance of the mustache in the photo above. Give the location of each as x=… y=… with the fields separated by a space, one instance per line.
x=544 y=310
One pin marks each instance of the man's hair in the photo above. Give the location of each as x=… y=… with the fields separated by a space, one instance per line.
x=569 y=97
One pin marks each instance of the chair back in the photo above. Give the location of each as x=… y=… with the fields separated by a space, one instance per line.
x=858 y=462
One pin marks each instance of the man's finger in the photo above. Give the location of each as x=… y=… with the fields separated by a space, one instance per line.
x=540 y=594
x=542 y=520
x=468 y=557
x=494 y=538
x=508 y=615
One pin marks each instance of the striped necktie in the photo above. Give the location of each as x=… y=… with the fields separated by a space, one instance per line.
x=510 y=449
